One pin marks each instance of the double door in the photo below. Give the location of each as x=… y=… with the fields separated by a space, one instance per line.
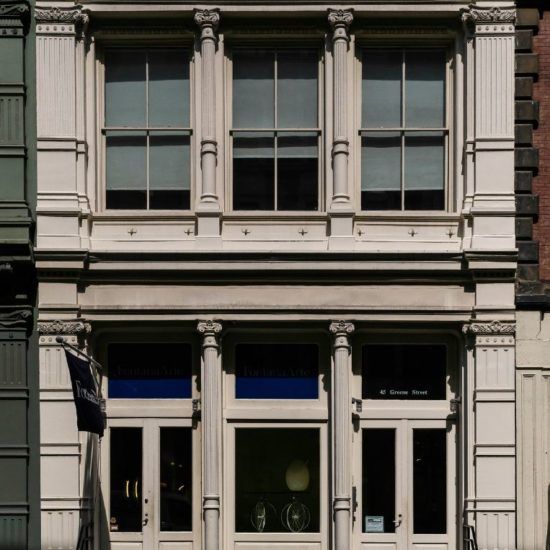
x=149 y=483
x=407 y=490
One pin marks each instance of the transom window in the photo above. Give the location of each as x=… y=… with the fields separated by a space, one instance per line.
x=275 y=133
x=404 y=131
x=147 y=129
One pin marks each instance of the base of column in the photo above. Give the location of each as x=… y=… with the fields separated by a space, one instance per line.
x=209 y=225
x=341 y=230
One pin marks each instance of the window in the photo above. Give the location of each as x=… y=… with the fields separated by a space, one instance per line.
x=275 y=135
x=404 y=131
x=147 y=129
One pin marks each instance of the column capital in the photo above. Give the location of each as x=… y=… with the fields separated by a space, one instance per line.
x=340 y=22
x=489 y=328
x=209 y=328
x=13 y=17
x=342 y=328
x=208 y=21
x=489 y=19
x=63 y=327
x=60 y=20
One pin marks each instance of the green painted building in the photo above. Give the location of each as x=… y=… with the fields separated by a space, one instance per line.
x=19 y=426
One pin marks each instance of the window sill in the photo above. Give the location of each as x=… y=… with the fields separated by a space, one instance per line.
x=123 y=215
x=417 y=215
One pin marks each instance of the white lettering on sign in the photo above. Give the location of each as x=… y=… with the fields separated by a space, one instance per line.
x=83 y=393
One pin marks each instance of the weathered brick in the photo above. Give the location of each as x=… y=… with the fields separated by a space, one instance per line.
x=527 y=63
x=524 y=134
x=523 y=181
x=527 y=110
x=526 y=157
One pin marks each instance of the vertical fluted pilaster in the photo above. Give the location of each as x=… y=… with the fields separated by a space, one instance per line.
x=341 y=425
x=211 y=431
x=340 y=21
x=208 y=22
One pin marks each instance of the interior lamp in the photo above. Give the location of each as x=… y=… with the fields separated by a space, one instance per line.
x=297 y=476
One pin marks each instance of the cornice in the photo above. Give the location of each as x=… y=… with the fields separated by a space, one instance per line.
x=64 y=327
x=489 y=328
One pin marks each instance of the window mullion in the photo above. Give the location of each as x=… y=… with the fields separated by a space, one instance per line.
x=275 y=125
x=147 y=124
x=403 y=119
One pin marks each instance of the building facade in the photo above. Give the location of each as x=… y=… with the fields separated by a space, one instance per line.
x=287 y=232
x=533 y=368
x=19 y=433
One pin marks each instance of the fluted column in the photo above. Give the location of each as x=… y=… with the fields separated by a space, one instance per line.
x=211 y=431
x=340 y=207
x=208 y=22
x=341 y=425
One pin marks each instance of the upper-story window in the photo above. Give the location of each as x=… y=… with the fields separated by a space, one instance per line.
x=404 y=130
x=147 y=129
x=275 y=129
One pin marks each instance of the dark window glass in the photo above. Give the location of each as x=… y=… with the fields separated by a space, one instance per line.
x=277 y=371
x=126 y=479
x=157 y=370
x=430 y=481
x=378 y=480
x=277 y=480
x=404 y=371
x=176 y=489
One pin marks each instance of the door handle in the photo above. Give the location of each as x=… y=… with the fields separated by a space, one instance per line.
x=398 y=520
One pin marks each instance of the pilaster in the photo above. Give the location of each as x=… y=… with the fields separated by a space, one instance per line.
x=208 y=207
x=493 y=207
x=341 y=209
x=57 y=30
x=341 y=428
x=491 y=494
x=61 y=444
x=211 y=431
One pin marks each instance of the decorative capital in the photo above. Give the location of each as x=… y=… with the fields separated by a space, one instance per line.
x=207 y=19
x=71 y=328
x=492 y=328
x=209 y=328
x=13 y=16
x=340 y=18
x=73 y=15
x=18 y=9
x=491 y=16
x=17 y=318
x=341 y=328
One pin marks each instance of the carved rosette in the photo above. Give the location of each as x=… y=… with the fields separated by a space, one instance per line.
x=60 y=20
x=71 y=330
x=491 y=332
x=489 y=19
x=340 y=22
x=208 y=21
x=12 y=18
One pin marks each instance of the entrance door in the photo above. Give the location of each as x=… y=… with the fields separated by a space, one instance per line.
x=148 y=483
x=406 y=497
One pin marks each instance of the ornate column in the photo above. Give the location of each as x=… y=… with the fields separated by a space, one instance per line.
x=208 y=208
x=341 y=426
x=211 y=431
x=63 y=450
x=340 y=207
x=493 y=204
x=489 y=401
x=58 y=155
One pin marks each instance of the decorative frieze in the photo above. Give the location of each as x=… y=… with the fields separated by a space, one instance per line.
x=63 y=327
x=477 y=15
x=489 y=328
x=14 y=319
x=12 y=18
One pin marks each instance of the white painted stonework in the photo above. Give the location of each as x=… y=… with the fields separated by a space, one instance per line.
x=210 y=274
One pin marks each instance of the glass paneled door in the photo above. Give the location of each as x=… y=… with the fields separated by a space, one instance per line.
x=148 y=483
x=406 y=496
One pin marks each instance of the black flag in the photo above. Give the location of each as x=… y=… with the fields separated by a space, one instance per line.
x=86 y=400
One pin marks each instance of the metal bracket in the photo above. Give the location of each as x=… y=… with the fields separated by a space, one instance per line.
x=358 y=404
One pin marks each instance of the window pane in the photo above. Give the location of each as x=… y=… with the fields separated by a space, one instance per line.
x=146 y=371
x=430 y=481
x=277 y=480
x=277 y=371
x=125 y=88
x=168 y=88
x=126 y=170
x=176 y=474
x=297 y=172
x=169 y=171
x=253 y=89
x=381 y=171
x=425 y=89
x=424 y=171
x=297 y=89
x=126 y=480
x=381 y=89
x=404 y=371
x=254 y=171
x=378 y=480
